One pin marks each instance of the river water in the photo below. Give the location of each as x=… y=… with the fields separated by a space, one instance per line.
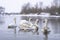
x=9 y=34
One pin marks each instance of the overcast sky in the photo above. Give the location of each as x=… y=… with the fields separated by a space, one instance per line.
x=16 y=5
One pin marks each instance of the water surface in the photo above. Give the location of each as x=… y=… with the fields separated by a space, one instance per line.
x=9 y=34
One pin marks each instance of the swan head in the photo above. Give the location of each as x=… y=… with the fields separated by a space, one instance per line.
x=45 y=21
x=15 y=20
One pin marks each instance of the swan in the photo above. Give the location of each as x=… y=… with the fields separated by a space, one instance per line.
x=46 y=29
x=35 y=27
x=24 y=24
x=13 y=25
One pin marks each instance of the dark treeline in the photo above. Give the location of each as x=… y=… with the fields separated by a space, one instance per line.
x=27 y=9
x=54 y=9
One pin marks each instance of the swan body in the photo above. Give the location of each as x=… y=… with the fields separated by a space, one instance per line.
x=45 y=30
x=13 y=25
x=25 y=25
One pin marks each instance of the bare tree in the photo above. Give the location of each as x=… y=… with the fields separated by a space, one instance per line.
x=2 y=10
x=25 y=8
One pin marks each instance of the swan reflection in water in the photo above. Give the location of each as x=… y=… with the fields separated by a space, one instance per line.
x=45 y=38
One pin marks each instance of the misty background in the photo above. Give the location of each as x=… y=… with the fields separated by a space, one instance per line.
x=30 y=6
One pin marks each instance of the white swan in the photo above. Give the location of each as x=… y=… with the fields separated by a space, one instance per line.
x=24 y=24
x=13 y=25
x=46 y=29
x=35 y=26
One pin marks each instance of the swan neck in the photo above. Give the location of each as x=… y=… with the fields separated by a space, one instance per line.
x=36 y=22
x=29 y=19
x=46 y=22
x=15 y=20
